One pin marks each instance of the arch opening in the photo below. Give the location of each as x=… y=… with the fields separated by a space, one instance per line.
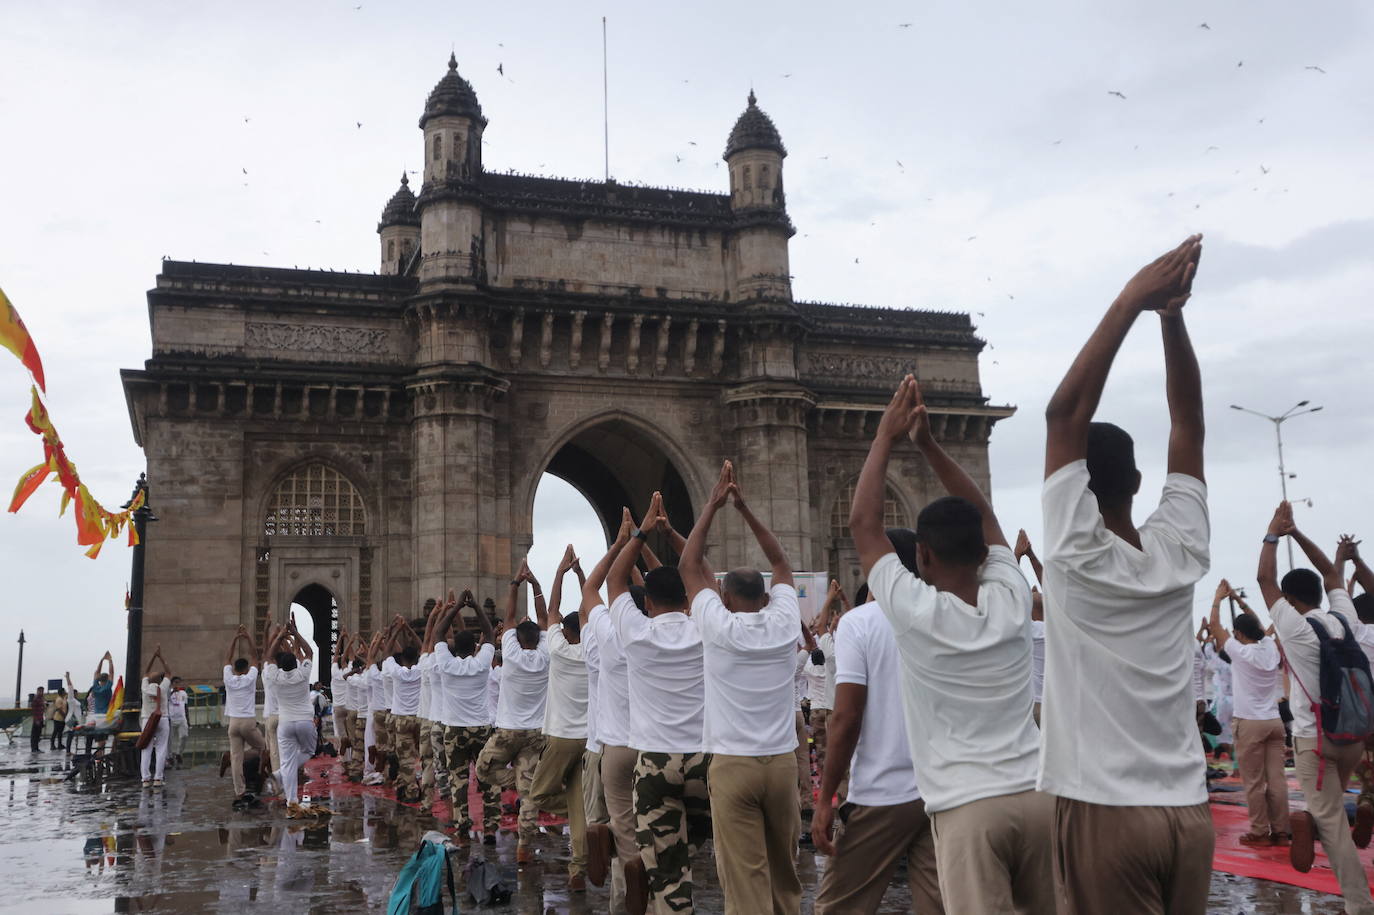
x=317 y=618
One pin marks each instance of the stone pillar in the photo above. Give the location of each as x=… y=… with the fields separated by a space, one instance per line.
x=771 y=464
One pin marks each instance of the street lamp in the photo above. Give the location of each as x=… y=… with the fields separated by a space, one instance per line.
x=1298 y=409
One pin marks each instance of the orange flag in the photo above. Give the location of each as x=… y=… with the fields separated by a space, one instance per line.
x=14 y=336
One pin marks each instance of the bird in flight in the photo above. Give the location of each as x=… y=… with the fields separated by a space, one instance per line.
x=900 y=165
x=679 y=158
x=904 y=25
x=360 y=124
x=1056 y=142
x=244 y=170
x=856 y=260
x=787 y=76
x=1264 y=170
x=971 y=237
x=1240 y=63
x=691 y=142
x=358 y=7
x=1120 y=95
x=1260 y=121
x=246 y=120
x=1205 y=26
x=1318 y=69
x=501 y=68
x=1212 y=148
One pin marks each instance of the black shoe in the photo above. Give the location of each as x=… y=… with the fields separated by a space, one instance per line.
x=805 y=840
x=489 y=839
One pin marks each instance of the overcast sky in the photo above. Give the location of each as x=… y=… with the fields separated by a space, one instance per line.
x=957 y=155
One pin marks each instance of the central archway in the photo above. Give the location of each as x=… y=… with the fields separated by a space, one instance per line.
x=323 y=609
x=615 y=461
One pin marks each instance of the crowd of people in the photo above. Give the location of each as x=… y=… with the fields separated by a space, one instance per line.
x=1017 y=748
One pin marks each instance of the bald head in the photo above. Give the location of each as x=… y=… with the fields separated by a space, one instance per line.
x=743 y=591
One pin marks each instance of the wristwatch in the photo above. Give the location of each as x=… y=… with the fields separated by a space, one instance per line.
x=1271 y=538
x=638 y=534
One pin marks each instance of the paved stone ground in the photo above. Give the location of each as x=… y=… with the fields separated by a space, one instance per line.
x=70 y=848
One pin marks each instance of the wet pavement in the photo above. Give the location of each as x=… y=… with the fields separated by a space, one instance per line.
x=78 y=846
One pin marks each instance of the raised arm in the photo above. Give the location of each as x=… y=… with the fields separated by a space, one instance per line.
x=767 y=540
x=1160 y=285
x=1219 y=632
x=1349 y=549
x=513 y=601
x=866 y=510
x=302 y=647
x=483 y=621
x=1183 y=384
x=1024 y=548
x=157 y=656
x=591 y=585
x=1268 y=573
x=1328 y=570
x=541 y=609
x=952 y=476
x=618 y=578
x=556 y=598
x=692 y=564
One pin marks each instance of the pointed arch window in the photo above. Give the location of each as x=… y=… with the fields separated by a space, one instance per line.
x=894 y=513
x=438 y=147
x=315 y=501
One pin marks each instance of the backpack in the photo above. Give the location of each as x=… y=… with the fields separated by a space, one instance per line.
x=1347 y=693
x=421 y=878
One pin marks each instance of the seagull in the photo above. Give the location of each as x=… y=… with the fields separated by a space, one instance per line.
x=1205 y=26
x=787 y=76
x=358 y=7
x=501 y=68
x=904 y=25
x=679 y=158
x=360 y=124
x=1012 y=297
x=1056 y=142
x=856 y=260
x=1318 y=69
x=900 y=165
x=691 y=142
x=971 y=237
x=244 y=170
x=246 y=120
x=1264 y=170
x=978 y=313
x=1260 y=121
x=1120 y=95
x=1212 y=148
x=824 y=157
x=1240 y=63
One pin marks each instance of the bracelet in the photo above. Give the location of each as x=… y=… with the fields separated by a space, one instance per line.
x=538 y=593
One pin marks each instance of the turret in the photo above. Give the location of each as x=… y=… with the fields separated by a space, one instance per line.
x=754 y=154
x=450 y=218
x=399 y=228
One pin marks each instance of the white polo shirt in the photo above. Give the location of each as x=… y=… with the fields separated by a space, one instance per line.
x=463 y=686
x=426 y=666
x=525 y=686
x=826 y=643
x=750 y=668
x=389 y=667
x=240 y=693
x=613 y=681
x=966 y=680
x=176 y=706
x=591 y=651
x=359 y=695
x=152 y=693
x=269 y=697
x=292 y=689
x=666 y=678
x=815 y=684
x=376 y=690
x=1257 y=678
x=406 y=684
x=1037 y=631
x=881 y=773
x=493 y=691
x=1120 y=721
x=338 y=687
x=799 y=678
x=565 y=712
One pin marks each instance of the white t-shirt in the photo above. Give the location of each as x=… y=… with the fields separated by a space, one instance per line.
x=565 y=712
x=1301 y=645
x=376 y=689
x=591 y=651
x=666 y=675
x=880 y=773
x=826 y=643
x=152 y=692
x=176 y=706
x=613 y=682
x=1120 y=721
x=966 y=680
x=815 y=683
x=426 y=668
x=269 y=697
x=359 y=694
x=493 y=691
x=1200 y=678
x=525 y=691
x=1258 y=678
x=389 y=667
x=292 y=689
x=1221 y=674
x=240 y=693
x=799 y=678
x=1037 y=630
x=338 y=686
x=751 y=667
x=463 y=686
x=406 y=685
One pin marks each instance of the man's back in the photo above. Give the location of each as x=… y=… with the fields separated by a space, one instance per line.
x=524 y=689
x=1119 y=720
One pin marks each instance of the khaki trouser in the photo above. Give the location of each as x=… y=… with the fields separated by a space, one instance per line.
x=870 y=844
x=993 y=854
x=1259 y=753
x=805 y=793
x=1132 y=860
x=273 y=750
x=521 y=749
x=755 y=823
x=242 y=731
x=593 y=795
x=557 y=788
x=820 y=718
x=1327 y=808
x=618 y=783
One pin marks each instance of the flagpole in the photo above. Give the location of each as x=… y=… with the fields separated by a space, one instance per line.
x=605 y=104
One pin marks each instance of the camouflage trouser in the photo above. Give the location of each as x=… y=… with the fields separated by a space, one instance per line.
x=672 y=819
x=462 y=746
x=432 y=758
x=521 y=749
x=353 y=730
x=381 y=737
x=405 y=734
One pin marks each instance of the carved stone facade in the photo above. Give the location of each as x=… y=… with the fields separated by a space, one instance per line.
x=360 y=442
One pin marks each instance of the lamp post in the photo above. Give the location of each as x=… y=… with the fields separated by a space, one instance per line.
x=19 y=677
x=1298 y=409
x=133 y=651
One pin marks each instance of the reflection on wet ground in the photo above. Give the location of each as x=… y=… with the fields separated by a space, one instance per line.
x=73 y=847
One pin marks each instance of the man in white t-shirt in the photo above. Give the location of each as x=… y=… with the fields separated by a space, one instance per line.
x=806 y=791
x=338 y=695
x=155 y=693
x=962 y=630
x=463 y=669
x=434 y=775
x=407 y=681
x=1323 y=766
x=1133 y=832
x=557 y=785
x=513 y=750
x=822 y=676
x=359 y=763
x=1024 y=549
x=288 y=671
x=1258 y=729
x=269 y=716
x=883 y=821
x=663 y=652
x=176 y=715
x=749 y=642
x=241 y=707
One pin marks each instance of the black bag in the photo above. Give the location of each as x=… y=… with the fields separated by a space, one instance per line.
x=1210 y=724
x=484 y=883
